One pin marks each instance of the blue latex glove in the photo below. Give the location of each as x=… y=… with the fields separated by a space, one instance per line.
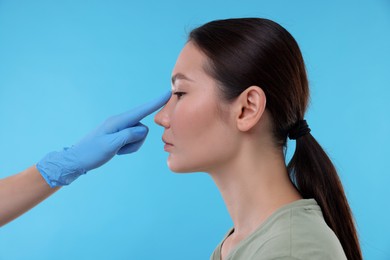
x=120 y=134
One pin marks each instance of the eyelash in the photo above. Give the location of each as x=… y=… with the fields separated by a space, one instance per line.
x=179 y=94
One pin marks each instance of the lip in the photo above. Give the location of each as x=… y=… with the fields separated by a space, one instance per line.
x=168 y=146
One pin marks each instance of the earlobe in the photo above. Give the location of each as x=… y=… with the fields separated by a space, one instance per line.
x=251 y=106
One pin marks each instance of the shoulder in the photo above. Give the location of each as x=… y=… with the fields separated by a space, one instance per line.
x=297 y=231
x=309 y=231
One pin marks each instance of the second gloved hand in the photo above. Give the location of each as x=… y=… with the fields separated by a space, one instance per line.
x=119 y=134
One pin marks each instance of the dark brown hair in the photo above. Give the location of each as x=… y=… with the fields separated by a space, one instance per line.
x=254 y=51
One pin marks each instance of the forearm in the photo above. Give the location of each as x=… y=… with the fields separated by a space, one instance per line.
x=21 y=192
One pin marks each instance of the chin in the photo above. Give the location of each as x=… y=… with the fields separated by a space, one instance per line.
x=180 y=168
x=177 y=169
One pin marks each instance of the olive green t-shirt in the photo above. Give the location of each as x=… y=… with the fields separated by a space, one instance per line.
x=295 y=231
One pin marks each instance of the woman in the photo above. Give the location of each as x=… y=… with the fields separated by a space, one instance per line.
x=240 y=89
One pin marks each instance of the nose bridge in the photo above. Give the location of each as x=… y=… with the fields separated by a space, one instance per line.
x=163 y=116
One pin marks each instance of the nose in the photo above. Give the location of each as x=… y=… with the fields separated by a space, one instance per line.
x=162 y=117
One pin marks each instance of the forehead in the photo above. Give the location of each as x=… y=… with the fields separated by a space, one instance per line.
x=190 y=61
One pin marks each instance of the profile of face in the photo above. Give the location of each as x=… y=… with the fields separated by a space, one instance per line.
x=196 y=135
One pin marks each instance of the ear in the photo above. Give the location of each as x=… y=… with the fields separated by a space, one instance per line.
x=250 y=107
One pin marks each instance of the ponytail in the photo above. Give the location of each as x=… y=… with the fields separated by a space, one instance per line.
x=316 y=177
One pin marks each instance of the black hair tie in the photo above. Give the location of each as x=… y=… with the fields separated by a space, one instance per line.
x=299 y=129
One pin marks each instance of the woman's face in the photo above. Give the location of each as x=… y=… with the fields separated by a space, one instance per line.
x=195 y=135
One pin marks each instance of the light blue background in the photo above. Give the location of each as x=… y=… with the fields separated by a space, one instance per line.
x=67 y=65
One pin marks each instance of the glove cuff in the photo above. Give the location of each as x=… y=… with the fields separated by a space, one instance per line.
x=59 y=168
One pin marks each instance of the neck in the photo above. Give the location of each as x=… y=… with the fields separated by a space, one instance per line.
x=253 y=186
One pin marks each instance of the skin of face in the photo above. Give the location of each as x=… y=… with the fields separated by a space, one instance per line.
x=197 y=137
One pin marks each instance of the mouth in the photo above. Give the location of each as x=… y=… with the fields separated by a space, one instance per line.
x=167 y=145
x=166 y=142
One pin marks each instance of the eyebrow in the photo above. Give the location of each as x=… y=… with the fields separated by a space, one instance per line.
x=180 y=76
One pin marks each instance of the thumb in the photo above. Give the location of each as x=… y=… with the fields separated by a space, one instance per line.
x=130 y=135
x=131 y=148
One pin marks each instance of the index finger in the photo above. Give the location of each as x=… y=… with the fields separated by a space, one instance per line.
x=132 y=117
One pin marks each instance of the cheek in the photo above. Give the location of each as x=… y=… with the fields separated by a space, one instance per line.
x=190 y=122
x=201 y=138
x=193 y=118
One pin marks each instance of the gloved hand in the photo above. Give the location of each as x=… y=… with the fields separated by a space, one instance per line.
x=120 y=134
